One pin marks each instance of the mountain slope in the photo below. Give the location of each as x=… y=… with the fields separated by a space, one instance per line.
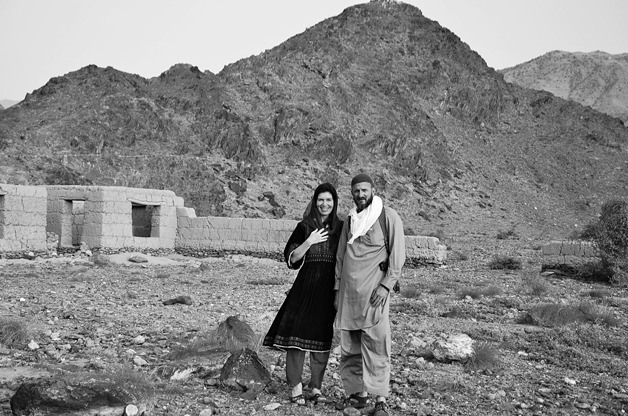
x=595 y=79
x=452 y=146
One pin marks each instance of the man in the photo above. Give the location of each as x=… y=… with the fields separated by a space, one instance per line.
x=365 y=275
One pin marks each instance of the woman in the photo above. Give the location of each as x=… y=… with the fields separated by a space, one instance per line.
x=305 y=320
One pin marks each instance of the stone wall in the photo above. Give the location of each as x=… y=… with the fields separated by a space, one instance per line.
x=205 y=236
x=22 y=218
x=110 y=217
x=573 y=248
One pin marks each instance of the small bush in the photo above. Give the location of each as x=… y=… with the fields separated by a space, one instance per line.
x=458 y=255
x=13 y=333
x=101 y=260
x=504 y=263
x=269 y=281
x=611 y=237
x=485 y=357
x=505 y=235
x=478 y=292
x=553 y=315
x=535 y=285
x=599 y=293
x=436 y=290
x=411 y=292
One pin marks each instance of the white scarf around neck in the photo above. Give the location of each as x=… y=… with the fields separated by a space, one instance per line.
x=362 y=221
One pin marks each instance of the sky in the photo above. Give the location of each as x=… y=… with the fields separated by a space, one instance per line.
x=42 y=39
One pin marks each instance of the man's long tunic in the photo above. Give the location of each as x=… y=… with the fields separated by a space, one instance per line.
x=358 y=272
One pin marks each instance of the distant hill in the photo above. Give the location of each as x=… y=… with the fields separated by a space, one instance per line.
x=596 y=79
x=452 y=147
x=7 y=103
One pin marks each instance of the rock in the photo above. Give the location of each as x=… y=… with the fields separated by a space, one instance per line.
x=139 y=339
x=351 y=411
x=137 y=360
x=138 y=259
x=444 y=347
x=84 y=393
x=272 y=406
x=245 y=371
x=131 y=410
x=570 y=381
x=33 y=345
x=185 y=300
x=234 y=334
x=206 y=412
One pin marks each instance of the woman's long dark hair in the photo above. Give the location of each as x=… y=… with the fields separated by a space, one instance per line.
x=313 y=217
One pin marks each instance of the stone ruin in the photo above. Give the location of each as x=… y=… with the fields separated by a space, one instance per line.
x=110 y=219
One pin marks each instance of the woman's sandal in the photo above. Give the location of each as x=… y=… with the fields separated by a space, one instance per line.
x=298 y=399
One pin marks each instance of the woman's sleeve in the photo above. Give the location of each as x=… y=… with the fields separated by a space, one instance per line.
x=296 y=239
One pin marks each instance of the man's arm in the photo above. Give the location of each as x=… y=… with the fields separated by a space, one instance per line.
x=397 y=246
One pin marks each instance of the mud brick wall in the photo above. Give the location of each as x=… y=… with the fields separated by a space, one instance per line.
x=572 y=248
x=205 y=236
x=113 y=217
x=22 y=218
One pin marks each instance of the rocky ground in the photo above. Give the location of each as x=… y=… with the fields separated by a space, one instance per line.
x=92 y=316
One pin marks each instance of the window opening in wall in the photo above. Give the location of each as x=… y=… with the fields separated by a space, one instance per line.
x=142 y=219
x=2 y=217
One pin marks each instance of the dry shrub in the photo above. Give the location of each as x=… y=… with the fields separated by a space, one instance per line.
x=505 y=235
x=478 y=292
x=410 y=292
x=268 y=281
x=162 y=276
x=101 y=260
x=554 y=315
x=437 y=290
x=611 y=237
x=535 y=285
x=599 y=293
x=485 y=356
x=504 y=263
x=13 y=333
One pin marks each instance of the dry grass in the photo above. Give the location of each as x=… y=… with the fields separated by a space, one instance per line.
x=554 y=315
x=266 y=281
x=500 y=262
x=535 y=285
x=486 y=356
x=479 y=292
x=13 y=333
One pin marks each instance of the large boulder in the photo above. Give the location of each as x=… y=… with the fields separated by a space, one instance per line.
x=86 y=394
x=244 y=371
x=443 y=347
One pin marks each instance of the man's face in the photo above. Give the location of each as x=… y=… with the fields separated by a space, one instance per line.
x=362 y=195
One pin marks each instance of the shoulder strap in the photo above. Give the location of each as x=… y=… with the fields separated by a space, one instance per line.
x=382 y=224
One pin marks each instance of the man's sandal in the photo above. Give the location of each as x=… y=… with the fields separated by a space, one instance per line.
x=318 y=398
x=298 y=399
x=355 y=400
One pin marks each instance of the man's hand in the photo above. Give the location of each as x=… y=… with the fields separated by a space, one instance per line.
x=379 y=295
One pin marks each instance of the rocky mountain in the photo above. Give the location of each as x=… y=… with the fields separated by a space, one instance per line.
x=7 y=103
x=595 y=79
x=452 y=146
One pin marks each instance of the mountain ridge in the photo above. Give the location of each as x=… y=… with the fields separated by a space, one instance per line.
x=596 y=79
x=455 y=149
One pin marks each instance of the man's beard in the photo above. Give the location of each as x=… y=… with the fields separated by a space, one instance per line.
x=361 y=205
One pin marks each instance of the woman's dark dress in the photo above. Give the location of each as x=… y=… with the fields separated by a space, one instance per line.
x=306 y=318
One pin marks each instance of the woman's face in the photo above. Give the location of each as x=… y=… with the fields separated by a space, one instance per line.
x=324 y=204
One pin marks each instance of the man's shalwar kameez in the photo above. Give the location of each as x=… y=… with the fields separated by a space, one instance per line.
x=365 y=339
